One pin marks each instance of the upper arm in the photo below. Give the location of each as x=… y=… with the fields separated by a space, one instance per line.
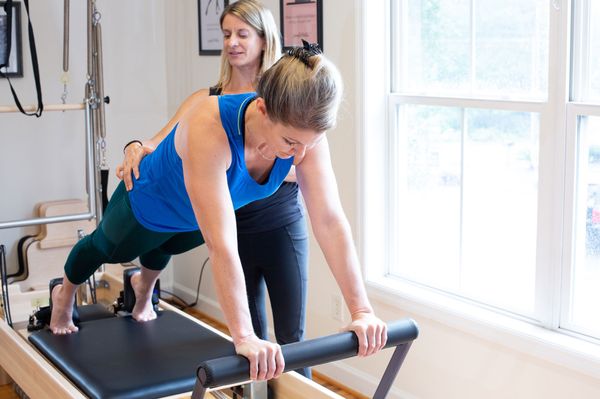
x=318 y=184
x=204 y=150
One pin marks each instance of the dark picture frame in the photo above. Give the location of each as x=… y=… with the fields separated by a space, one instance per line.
x=210 y=38
x=15 y=58
x=301 y=19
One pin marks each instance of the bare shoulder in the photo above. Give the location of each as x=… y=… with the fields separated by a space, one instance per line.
x=194 y=99
x=200 y=129
x=200 y=94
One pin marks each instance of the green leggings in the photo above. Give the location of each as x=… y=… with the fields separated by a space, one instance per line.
x=121 y=238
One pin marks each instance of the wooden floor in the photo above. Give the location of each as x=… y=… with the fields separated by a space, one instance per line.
x=7 y=391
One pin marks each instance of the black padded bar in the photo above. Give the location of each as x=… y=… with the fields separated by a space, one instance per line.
x=234 y=369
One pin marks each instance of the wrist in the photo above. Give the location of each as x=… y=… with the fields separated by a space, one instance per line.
x=241 y=338
x=356 y=314
x=131 y=142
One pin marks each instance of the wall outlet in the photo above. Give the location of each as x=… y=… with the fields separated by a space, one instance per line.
x=337 y=307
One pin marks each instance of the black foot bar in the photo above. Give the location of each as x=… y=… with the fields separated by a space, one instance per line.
x=230 y=370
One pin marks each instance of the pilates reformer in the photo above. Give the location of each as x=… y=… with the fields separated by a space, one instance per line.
x=117 y=357
x=173 y=356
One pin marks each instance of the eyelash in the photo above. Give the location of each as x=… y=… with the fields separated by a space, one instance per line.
x=228 y=35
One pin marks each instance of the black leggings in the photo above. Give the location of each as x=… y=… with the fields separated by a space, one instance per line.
x=276 y=262
x=121 y=238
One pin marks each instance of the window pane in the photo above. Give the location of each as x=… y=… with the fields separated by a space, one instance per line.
x=511 y=48
x=586 y=50
x=436 y=54
x=594 y=93
x=500 y=208
x=429 y=192
x=452 y=49
x=467 y=178
x=585 y=295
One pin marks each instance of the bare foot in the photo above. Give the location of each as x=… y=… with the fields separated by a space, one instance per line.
x=143 y=309
x=61 y=321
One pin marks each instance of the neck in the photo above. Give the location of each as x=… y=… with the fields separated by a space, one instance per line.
x=252 y=141
x=242 y=79
x=251 y=123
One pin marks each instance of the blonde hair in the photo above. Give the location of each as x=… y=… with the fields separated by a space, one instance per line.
x=260 y=18
x=302 y=90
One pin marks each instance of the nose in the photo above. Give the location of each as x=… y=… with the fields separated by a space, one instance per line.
x=233 y=41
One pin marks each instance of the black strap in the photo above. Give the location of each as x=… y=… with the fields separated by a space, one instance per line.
x=104 y=186
x=4 y=282
x=34 y=60
x=215 y=91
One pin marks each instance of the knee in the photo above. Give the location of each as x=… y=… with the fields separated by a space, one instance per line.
x=289 y=336
x=112 y=252
x=155 y=260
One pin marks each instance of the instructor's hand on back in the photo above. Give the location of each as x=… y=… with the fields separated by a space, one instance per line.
x=134 y=153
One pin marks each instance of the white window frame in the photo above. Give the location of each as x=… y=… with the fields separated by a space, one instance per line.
x=574 y=111
x=375 y=117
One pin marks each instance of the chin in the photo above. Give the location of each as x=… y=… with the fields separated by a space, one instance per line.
x=237 y=61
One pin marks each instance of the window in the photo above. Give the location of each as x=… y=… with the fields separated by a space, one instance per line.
x=493 y=141
x=466 y=177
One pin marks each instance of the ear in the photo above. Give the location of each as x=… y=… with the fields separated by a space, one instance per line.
x=261 y=106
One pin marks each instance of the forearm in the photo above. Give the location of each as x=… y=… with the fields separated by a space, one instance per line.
x=335 y=240
x=231 y=293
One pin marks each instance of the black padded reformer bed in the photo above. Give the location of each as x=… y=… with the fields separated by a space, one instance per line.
x=120 y=358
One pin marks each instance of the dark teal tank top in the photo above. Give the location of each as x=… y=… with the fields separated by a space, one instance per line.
x=159 y=199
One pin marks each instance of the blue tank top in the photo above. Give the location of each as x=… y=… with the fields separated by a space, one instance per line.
x=159 y=199
x=280 y=209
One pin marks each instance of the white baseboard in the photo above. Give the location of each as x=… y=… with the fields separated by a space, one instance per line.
x=358 y=381
x=205 y=304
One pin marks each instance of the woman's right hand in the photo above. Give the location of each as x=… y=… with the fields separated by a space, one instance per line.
x=134 y=153
x=266 y=359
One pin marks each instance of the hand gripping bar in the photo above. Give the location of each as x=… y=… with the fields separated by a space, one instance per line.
x=229 y=370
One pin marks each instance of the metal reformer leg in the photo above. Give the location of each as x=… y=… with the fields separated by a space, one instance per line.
x=255 y=390
x=199 y=391
x=391 y=371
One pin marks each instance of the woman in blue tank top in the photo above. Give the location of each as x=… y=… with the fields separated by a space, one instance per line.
x=223 y=153
x=271 y=232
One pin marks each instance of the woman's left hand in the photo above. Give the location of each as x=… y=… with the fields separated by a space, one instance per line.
x=371 y=332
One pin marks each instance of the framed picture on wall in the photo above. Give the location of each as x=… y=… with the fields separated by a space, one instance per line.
x=14 y=60
x=301 y=19
x=209 y=30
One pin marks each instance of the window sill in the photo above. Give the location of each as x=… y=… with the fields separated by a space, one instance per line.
x=559 y=348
